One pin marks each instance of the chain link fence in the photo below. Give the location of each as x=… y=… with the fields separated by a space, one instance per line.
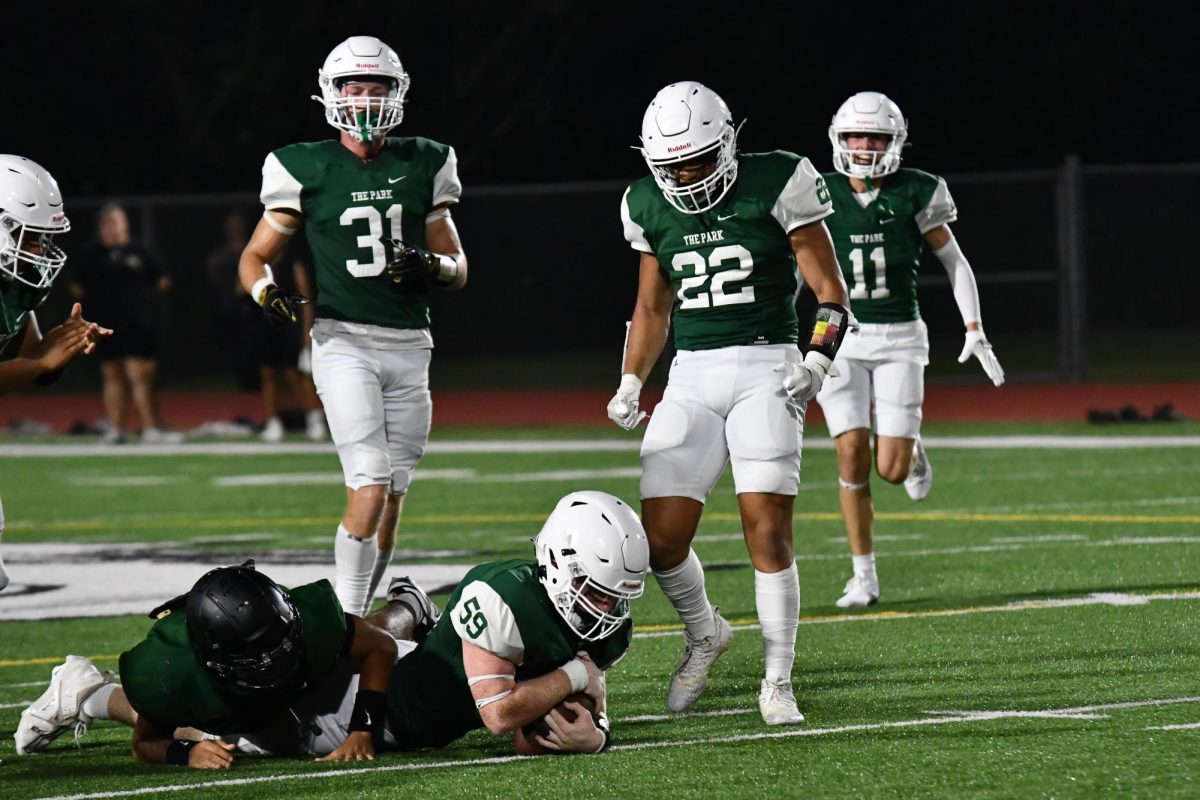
x=1082 y=269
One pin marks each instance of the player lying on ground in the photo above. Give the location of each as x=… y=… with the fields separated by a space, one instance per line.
x=31 y=215
x=230 y=655
x=518 y=638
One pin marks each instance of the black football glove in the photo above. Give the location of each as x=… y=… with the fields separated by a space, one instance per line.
x=277 y=304
x=411 y=265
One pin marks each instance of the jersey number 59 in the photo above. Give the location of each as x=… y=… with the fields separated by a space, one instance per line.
x=472 y=618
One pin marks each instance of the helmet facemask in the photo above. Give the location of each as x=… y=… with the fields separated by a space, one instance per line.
x=35 y=269
x=366 y=118
x=576 y=605
x=703 y=194
x=865 y=164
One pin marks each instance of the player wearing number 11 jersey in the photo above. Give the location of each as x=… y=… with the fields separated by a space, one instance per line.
x=885 y=216
x=376 y=214
x=721 y=235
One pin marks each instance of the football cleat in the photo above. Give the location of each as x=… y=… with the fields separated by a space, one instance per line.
x=691 y=676
x=920 y=473
x=61 y=706
x=778 y=704
x=272 y=431
x=161 y=436
x=859 y=592
x=425 y=612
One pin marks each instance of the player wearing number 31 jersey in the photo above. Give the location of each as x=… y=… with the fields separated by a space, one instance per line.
x=721 y=235
x=375 y=211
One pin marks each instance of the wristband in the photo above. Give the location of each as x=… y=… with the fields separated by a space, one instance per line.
x=606 y=728
x=576 y=673
x=370 y=712
x=179 y=751
x=829 y=329
x=259 y=290
x=445 y=269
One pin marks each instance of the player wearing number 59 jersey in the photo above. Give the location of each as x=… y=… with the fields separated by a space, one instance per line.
x=885 y=216
x=720 y=236
x=376 y=215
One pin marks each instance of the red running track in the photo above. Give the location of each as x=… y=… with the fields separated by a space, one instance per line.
x=1034 y=402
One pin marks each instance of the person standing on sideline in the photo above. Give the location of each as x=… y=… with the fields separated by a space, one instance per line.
x=721 y=235
x=376 y=213
x=31 y=215
x=122 y=283
x=885 y=216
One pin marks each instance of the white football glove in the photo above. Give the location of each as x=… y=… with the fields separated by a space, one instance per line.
x=305 y=362
x=802 y=381
x=977 y=345
x=623 y=408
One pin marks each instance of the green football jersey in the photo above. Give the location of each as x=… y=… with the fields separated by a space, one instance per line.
x=169 y=686
x=353 y=210
x=16 y=301
x=732 y=268
x=502 y=607
x=879 y=246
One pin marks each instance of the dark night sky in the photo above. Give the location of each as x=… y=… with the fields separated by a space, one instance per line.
x=116 y=100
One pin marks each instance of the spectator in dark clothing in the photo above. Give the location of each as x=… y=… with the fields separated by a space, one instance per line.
x=122 y=282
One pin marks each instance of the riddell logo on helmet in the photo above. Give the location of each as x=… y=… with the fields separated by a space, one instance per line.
x=367 y=66
x=678 y=147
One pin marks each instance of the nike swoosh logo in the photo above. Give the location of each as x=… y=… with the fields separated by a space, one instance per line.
x=726 y=216
x=397 y=180
x=886 y=221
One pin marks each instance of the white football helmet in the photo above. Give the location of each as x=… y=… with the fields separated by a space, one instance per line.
x=362 y=58
x=31 y=207
x=685 y=121
x=592 y=543
x=868 y=112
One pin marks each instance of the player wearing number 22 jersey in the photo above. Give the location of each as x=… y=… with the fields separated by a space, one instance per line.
x=885 y=216
x=375 y=211
x=721 y=236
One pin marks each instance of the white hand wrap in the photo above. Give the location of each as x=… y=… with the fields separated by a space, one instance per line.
x=802 y=381
x=623 y=408
x=577 y=673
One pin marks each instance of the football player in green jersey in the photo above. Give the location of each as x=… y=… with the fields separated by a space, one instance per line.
x=518 y=637
x=721 y=235
x=885 y=217
x=31 y=215
x=233 y=655
x=376 y=214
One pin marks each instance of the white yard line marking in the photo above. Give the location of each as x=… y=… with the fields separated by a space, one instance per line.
x=1094 y=599
x=118 y=482
x=724 y=712
x=18 y=704
x=460 y=475
x=23 y=684
x=1187 y=727
x=790 y=733
x=632 y=445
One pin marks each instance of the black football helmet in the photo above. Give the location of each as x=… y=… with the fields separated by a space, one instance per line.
x=244 y=629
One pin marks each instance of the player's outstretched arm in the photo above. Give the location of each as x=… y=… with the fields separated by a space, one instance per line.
x=644 y=344
x=152 y=746
x=375 y=652
x=41 y=359
x=966 y=296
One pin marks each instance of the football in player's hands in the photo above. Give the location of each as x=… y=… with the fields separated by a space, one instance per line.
x=524 y=741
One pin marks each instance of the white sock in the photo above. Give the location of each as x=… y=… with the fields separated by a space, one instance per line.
x=383 y=558
x=96 y=706
x=777 y=596
x=684 y=587
x=864 y=566
x=352 y=562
